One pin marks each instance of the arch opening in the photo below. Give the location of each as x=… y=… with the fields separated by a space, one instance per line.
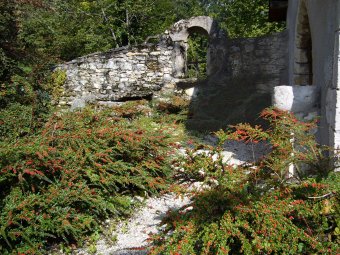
x=197 y=53
x=303 y=57
x=194 y=35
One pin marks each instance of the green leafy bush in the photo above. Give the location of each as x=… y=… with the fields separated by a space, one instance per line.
x=258 y=208
x=80 y=168
x=15 y=121
x=197 y=56
x=18 y=89
x=25 y=101
x=55 y=83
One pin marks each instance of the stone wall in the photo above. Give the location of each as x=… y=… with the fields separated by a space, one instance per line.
x=118 y=75
x=266 y=56
x=248 y=70
x=241 y=74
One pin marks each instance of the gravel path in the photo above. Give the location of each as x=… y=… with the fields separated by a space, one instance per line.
x=146 y=221
x=132 y=236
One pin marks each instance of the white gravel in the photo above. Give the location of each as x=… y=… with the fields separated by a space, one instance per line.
x=133 y=235
x=237 y=153
x=146 y=221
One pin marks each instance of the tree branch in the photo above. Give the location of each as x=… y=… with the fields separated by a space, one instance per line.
x=323 y=196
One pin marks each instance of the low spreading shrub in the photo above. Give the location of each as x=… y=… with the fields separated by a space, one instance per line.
x=262 y=207
x=15 y=121
x=173 y=104
x=174 y=109
x=82 y=167
x=133 y=109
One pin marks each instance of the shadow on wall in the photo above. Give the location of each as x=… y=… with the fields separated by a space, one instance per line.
x=242 y=86
x=217 y=103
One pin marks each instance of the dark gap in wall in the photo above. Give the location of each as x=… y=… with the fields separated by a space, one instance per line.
x=127 y=99
x=189 y=83
x=303 y=67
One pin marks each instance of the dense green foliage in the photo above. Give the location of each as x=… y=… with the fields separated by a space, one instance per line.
x=258 y=208
x=246 y=18
x=79 y=169
x=197 y=56
x=74 y=28
x=68 y=29
x=8 y=31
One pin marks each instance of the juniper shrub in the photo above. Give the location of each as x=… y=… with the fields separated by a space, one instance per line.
x=254 y=208
x=80 y=168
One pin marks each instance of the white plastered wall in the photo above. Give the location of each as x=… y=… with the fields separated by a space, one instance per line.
x=323 y=18
x=334 y=91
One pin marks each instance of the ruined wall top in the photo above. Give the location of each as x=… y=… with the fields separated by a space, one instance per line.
x=180 y=31
x=240 y=74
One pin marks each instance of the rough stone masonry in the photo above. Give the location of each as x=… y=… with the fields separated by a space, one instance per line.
x=118 y=74
x=241 y=74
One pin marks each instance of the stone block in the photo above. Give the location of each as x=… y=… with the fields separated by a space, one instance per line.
x=235 y=49
x=331 y=101
x=78 y=103
x=141 y=58
x=92 y=66
x=126 y=66
x=167 y=70
x=167 y=77
x=297 y=99
x=78 y=88
x=190 y=92
x=96 y=85
x=166 y=53
x=141 y=67
x=121 y=85
x=301 y=56
x=111 y=64
x=302 y=79
x=249 y=48
x=302 y=68
x=155 y=53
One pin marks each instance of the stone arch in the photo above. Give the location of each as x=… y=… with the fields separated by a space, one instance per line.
x=179 y=34
x=303 y=57
x=180 y=31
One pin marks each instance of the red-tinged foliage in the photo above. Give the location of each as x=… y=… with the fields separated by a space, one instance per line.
x=59 y=184
x=256 y=208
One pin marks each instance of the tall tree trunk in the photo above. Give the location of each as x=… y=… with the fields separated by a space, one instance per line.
x=106 y=20
x=127 y=22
